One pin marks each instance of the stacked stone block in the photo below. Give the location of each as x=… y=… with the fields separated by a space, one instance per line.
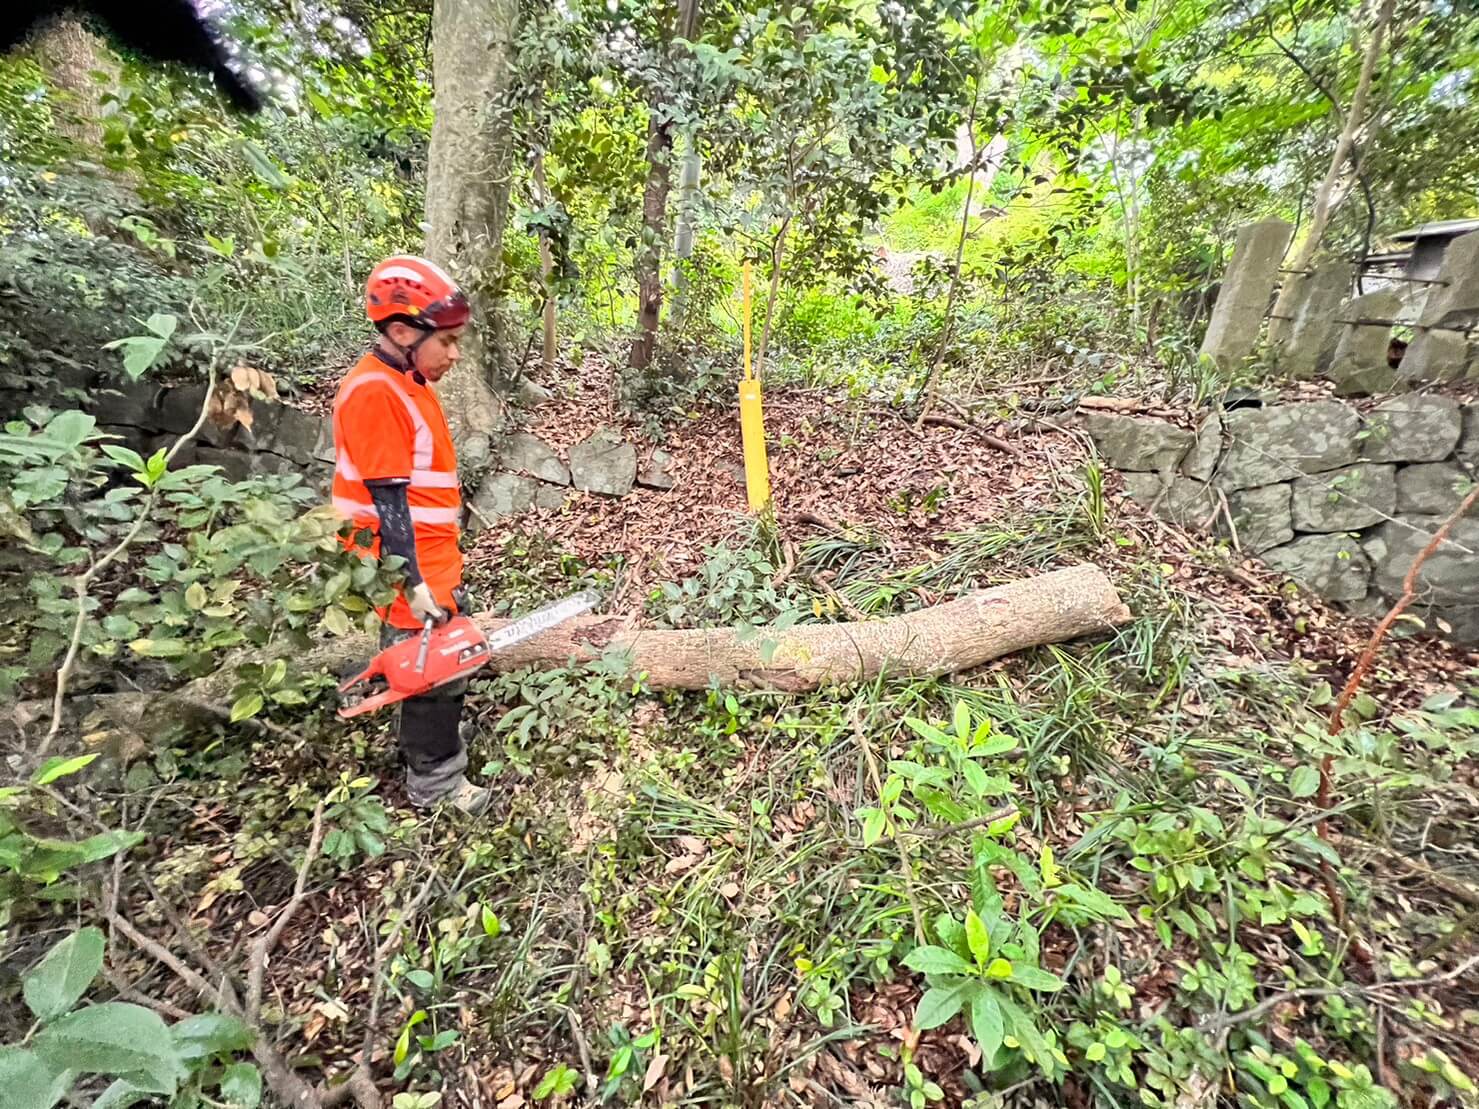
x=1338 y=501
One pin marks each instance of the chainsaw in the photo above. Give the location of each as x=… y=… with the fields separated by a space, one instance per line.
x=446 y=653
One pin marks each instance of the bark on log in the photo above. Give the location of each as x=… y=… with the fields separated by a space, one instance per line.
x=954 y=636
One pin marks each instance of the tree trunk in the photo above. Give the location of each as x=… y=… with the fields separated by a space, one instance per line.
x=777 y=255
x=547 y=275
x=688 y=179
x=1326 y=197
x=948 y=323
x=955 y=636
x=654 y=229
x=655 y=206
x=69 y=55
x=467 y=192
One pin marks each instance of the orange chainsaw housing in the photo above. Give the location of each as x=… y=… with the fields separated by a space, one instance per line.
x=440 y=655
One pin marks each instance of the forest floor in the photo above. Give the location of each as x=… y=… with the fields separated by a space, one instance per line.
x=676 y=900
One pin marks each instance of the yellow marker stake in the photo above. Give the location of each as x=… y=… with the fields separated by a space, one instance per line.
x=752 y=421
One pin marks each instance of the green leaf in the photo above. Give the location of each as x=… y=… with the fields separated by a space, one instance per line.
x=71 y=428
x=986 y=1024
x=1035 y=978
x=492 y=926
x=162 y=324
x=122 y=455
x=336 y=620
x=558 y=1080
x=28 y=1082
x=62 y=977
x=874 y=821
x=927 y=731
x=422 y=979
x=1304 y=782
x=241 y=1086
x=441 y=1041
x=620 y=1062
x=952 y=934
x=1092 y=900
x=60 y=767
x=336 y=586
x=263 y=166
x=978 y=937
x=207 y=1034
x=962 y=722
x=114 y=1038
x=975 y=777
x=936 y=960
x=120 y=1095
x=999 y=968
x=159 y=648
x=246 y=706
x=140 y=352
x=402 y=1046
x=1019 y=1024
x=939 y=1004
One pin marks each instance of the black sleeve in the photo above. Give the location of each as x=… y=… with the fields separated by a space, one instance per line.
x=397 y=535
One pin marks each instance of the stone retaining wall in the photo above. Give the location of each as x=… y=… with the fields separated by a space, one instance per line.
x=1339 y=500
x=531 y=474
x=1323 y=330
x=146 y=416
x=282 y=439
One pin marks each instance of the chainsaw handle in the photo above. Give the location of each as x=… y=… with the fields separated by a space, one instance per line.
x=426 y=630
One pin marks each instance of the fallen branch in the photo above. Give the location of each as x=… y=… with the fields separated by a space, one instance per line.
x=964 y=826
x=377 y=989
x=1455 y=887
x=996 y=442
x=819 y=520
x=1126 y=406
x=277 y=1074
x=852 y=611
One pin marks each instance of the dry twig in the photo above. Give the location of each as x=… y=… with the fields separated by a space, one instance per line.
x=262 y=949
x=1263 y=1008
x=1358 y=674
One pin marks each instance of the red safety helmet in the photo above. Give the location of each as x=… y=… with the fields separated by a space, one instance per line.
x=415 y=291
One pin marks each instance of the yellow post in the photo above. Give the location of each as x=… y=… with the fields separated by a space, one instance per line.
x=752 y=420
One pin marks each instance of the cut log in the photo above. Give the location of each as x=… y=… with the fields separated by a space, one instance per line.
x=954 y=636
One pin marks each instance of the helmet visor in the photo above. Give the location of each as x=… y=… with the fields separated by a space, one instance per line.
x=451 y=311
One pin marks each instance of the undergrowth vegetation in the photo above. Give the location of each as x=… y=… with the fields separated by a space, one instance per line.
x=1142 y=868
x=1076 y=873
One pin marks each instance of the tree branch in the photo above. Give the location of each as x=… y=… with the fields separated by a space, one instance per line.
x=1263 y=1008
x=262 y=949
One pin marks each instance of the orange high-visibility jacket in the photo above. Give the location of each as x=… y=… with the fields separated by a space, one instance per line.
x=387 y=424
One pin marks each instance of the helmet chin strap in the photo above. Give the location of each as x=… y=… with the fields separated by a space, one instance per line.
x=408 y=353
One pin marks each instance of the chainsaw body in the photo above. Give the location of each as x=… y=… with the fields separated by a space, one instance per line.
x=440 y=655
x=446 y=653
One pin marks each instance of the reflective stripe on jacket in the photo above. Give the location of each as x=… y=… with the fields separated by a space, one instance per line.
x=387 y=426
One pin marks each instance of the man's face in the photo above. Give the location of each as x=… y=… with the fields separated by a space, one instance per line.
x=439 y=353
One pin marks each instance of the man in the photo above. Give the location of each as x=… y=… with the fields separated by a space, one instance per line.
x=395 y=474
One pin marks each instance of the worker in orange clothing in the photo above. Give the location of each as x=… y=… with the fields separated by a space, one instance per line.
x=395 y=475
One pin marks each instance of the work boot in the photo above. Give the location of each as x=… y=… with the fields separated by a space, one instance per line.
x=463 y=796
